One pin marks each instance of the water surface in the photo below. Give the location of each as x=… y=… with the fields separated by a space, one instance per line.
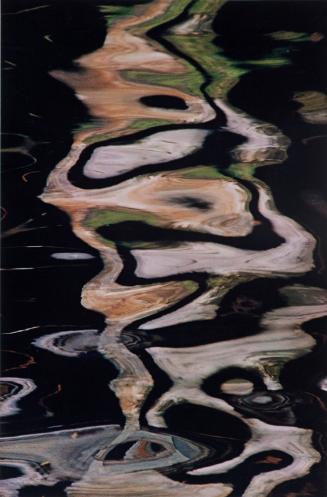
x=163 y=249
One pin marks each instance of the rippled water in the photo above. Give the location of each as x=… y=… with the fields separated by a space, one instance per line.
x=164 y=235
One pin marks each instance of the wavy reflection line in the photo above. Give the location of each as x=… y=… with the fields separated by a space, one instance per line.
x=114 y=80
x=12 y=390
x=282 y=339
x=82 y=456
x=92 y=294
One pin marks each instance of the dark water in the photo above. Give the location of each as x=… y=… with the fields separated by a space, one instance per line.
x=195 y=362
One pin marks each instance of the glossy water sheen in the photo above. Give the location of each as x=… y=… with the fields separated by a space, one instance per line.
x=164 y=234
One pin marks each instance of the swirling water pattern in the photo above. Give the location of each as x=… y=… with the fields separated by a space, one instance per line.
x=207 y=289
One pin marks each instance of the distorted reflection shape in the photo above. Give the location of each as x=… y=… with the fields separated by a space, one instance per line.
x=160 y=282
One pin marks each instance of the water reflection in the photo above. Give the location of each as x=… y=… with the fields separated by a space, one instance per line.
x=177 y=231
